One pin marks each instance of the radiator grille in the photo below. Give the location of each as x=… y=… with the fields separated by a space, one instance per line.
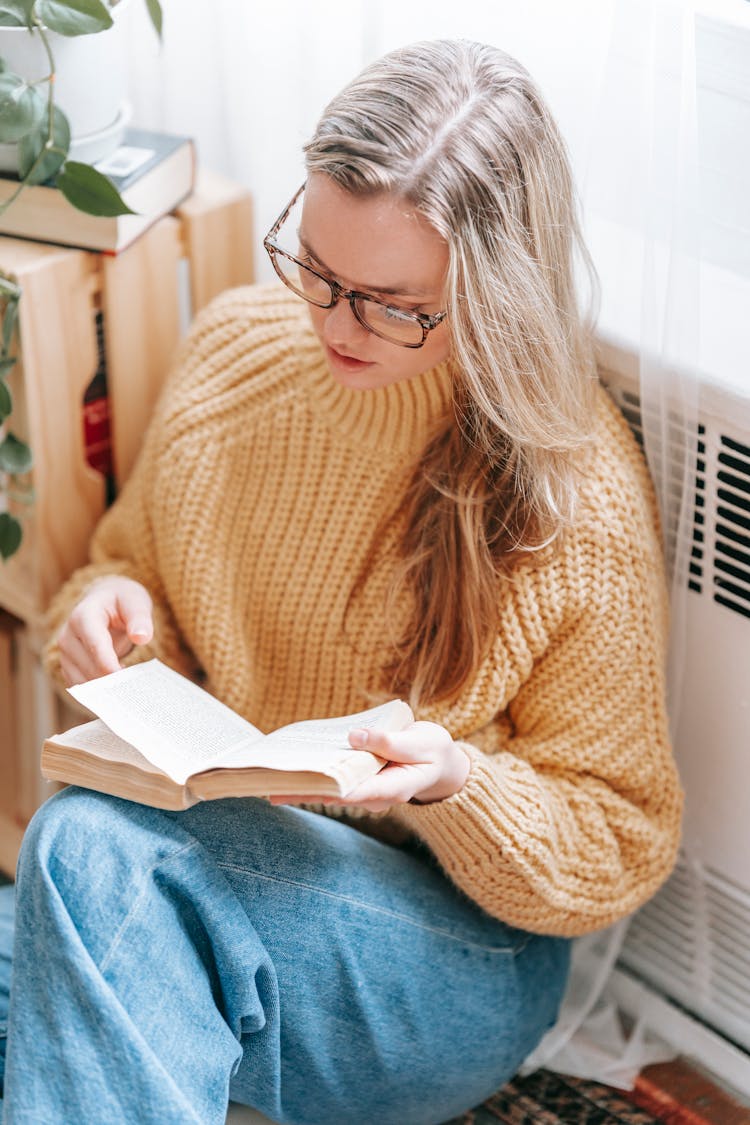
x=695 y=933
x=695 y=568
x=731 y=576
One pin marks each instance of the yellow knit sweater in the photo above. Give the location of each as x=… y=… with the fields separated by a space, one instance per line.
x=249 y=517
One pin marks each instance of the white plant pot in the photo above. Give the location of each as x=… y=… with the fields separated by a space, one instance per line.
x=90 y=83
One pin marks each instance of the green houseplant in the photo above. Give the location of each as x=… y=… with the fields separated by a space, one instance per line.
x=30 y=119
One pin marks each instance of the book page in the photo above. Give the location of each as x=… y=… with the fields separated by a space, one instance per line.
x=313 y=744
x=294 y=757
x=174 y=723
x=98 y=739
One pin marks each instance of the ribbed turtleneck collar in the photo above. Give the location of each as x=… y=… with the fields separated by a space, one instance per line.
x=398 y=417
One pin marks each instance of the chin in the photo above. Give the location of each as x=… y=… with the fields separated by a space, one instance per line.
x=358 y=380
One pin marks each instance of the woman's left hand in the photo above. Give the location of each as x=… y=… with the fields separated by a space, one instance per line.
x=424 y=764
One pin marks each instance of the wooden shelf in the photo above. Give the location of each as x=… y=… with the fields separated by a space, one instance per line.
x=141 y=294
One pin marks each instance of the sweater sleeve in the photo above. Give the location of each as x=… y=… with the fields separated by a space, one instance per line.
x=570 y=815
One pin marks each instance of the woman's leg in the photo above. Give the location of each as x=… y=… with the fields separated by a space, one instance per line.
x=134 y=971
x=161 y=957
x=402 y=1003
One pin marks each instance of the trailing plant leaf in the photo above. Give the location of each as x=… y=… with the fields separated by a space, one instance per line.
x=6 y=401
x=74 y=17
x=10 y=535
x=21 y=107
x=15 y=455
x=16 y=13
x=10 y=316
x=9 y=289
x=32 y=145
x=90 y=191
x=154 y=11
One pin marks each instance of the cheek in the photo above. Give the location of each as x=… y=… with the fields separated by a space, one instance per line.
x=406 y=363
x=317 y=319
x=437 y=347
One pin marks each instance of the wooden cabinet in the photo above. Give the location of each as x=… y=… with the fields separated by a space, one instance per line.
x=80 y=311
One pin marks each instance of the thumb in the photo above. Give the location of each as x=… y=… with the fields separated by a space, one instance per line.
x=135 y=611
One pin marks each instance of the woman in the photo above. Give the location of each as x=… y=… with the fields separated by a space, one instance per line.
x=397 y=475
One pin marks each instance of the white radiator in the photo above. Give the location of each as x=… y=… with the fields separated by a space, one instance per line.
x=691 y=943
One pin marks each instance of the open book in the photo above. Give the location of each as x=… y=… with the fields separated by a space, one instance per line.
x=162 y=740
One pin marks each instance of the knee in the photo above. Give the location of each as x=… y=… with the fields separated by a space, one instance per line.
x=84 y=857
x=69 y=828
x=93 y=836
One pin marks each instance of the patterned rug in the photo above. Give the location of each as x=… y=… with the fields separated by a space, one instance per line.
x=544 y=1098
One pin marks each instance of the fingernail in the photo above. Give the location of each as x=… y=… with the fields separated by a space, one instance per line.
x=359 y=737
x=139 y=630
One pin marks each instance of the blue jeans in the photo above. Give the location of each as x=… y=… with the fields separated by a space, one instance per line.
x=167 y=962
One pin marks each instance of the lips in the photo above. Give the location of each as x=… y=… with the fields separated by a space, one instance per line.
x=348 y=361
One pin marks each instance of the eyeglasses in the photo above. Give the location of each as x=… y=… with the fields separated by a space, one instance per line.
x=397 y=326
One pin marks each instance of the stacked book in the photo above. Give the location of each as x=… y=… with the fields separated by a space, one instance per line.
x=153 y=173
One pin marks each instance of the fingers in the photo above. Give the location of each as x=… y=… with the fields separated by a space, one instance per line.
x=110 y=618
x=420 y=742
x=86 y=647
x=393 y=785
x=82 y=660
x=423 y=763
x=134 y=608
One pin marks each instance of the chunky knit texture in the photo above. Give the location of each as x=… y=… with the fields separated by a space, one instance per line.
x=250 y=516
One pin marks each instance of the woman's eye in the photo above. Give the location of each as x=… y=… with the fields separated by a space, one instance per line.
x=304 y=257
x=392 y=313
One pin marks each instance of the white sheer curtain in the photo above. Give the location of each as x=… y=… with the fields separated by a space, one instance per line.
x=248 y=81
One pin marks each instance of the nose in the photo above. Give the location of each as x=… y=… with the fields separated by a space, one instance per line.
x=341 y=328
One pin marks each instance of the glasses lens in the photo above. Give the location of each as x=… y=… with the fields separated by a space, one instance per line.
x=393 y=324
x=302 y=280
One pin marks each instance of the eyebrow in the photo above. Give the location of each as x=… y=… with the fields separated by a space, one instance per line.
x=386 y=290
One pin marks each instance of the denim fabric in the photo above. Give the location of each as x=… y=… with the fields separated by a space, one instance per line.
x=165 y=962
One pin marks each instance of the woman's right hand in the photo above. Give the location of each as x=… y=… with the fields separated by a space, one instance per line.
x=113 y=615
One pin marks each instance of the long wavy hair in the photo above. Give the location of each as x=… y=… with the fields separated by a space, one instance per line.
x=459 y=130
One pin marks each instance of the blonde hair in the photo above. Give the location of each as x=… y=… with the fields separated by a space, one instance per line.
x=459 y=130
